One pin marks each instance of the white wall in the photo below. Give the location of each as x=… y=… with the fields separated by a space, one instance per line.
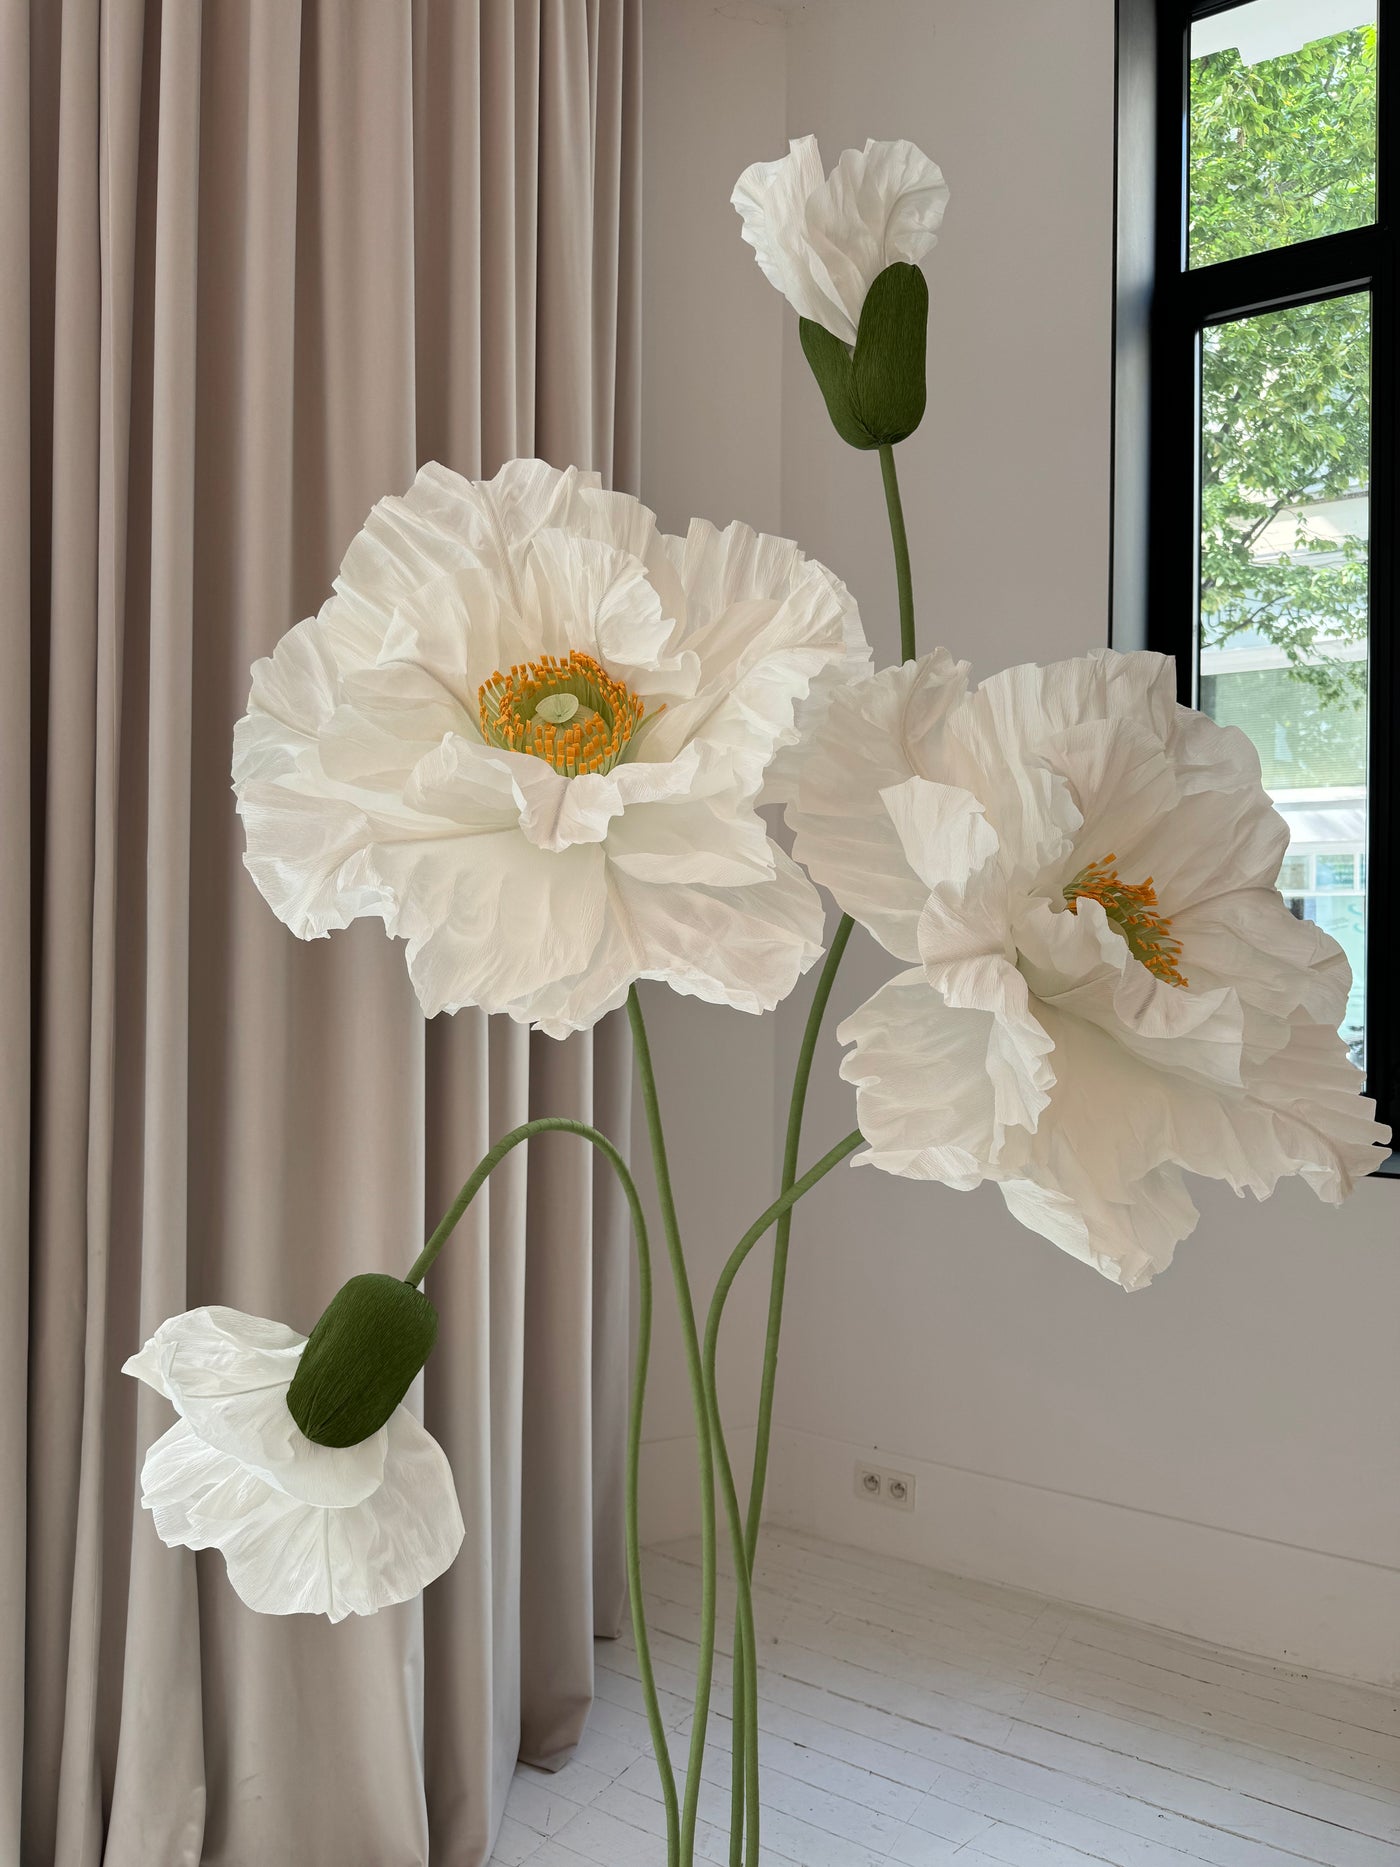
x=1218 y=1453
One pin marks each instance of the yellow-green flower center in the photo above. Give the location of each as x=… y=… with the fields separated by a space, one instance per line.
x=572 y=714
x=1132 y=909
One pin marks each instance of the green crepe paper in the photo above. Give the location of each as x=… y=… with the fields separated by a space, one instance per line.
x=876 y=394
x=360 y=1360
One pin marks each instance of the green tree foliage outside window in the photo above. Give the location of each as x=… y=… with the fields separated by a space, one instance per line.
x=1282 y=151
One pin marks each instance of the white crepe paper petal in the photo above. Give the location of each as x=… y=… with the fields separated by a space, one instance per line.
x=877 y=734
x=823 y=240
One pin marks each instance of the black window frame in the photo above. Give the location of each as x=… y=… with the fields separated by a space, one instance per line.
x=1161 y=309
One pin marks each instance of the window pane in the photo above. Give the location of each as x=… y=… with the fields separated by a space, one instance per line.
x=1285 y=466
x=1283 y=125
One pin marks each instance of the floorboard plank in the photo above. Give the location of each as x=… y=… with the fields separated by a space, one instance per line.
x=913 y=1719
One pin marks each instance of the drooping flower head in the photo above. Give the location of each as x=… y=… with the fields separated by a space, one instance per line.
x=303 y=1527
x=1106 y=986
x=824 y=239
x=529 y=732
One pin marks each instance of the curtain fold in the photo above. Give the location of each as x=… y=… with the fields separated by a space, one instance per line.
x=277 y=256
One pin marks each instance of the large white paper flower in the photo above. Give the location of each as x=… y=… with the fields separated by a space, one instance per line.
x=1107 y=987
x=302 y=1528
x=529 y=732
x=824 y=239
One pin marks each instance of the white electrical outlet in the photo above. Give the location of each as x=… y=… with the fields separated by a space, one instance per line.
x=879 y=1485
x=899 y=1490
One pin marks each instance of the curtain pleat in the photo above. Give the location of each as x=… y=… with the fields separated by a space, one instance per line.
x=278 y=256
x=67 y=404
x=157 y=1731
x=16 y=901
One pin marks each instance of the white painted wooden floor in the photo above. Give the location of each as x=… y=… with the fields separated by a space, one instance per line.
x=912 y=1718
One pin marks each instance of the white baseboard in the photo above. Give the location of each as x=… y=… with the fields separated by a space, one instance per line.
x=1304 y=1607
x=669 y=1495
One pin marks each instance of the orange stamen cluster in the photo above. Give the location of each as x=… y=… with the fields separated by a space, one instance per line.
x=1133 y=910
x=592 y=740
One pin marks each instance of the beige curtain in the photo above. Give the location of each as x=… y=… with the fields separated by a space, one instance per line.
x=261 y=259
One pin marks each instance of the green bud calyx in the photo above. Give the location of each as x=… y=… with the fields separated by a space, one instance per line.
x=876 y=392
x=361 y=1358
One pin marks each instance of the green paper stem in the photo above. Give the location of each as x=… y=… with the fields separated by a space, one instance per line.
x=477 y=1178
x=777 y=1287
x=690 y=1336
x=745 y=1650
x=742 y=1739
x=899 y=538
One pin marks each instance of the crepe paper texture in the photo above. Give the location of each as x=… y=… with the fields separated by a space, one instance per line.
x=361 y=1359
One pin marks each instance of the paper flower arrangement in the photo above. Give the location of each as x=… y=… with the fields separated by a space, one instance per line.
x=531 y=734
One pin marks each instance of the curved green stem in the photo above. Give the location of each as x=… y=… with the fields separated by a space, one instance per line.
x=690 y=1337
x=492 y=1158
x=745 y=1650
x=478 y=1176
x=793 y=1142
x=777 y=1289
x=661 y=1750
x=900 y=540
